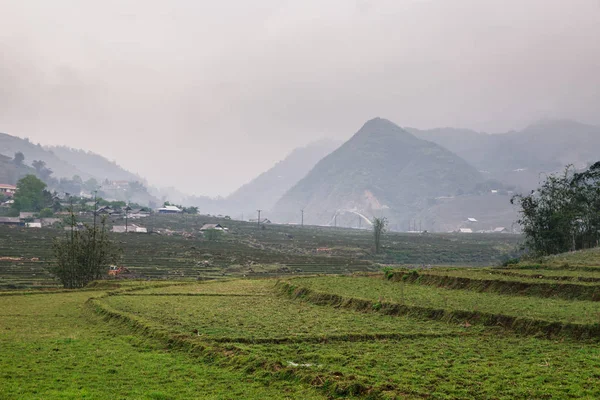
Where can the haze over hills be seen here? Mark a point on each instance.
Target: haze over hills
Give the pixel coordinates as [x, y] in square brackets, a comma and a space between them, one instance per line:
[94, 164]
[382, 170]
[9, 145]
[66, 162]
[437, 177]
[267, 188]
[518, 157]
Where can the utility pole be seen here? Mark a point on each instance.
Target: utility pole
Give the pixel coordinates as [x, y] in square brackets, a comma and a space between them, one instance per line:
[302, 211]
[359, 221]
[335, 221]
[258, 220]
[95, 211]
[126, 216]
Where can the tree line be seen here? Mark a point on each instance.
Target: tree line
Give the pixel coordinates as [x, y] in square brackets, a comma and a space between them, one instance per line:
[563, 214]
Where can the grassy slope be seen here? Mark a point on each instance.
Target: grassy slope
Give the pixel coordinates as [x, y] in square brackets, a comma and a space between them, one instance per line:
[583, 312]
[52, 348]
[589, 259]
[55, 347]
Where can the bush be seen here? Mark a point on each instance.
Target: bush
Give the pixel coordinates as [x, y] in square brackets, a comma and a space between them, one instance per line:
[84, 256]
[212, 234]
[46, 213]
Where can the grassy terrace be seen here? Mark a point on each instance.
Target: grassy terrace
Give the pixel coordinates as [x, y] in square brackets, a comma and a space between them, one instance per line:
[254, 318]
[250, 339]
[539, 276]
[482, 366]
[380, 290]
[549, 274]
[54, 348]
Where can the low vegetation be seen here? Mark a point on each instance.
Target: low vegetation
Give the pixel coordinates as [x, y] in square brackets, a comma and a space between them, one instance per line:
[377, 336]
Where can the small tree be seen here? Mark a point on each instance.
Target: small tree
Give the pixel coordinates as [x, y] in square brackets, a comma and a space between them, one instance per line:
[19, 158]
[31, 195]
[46, 213]
[84, 255]
[379, 228]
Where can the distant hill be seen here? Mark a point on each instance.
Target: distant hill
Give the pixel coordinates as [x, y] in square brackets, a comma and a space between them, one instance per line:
[9, 145]
[66, 162]
[519, 157]
[93, 164]
[267, 188]
[383, 170]
[10, 172]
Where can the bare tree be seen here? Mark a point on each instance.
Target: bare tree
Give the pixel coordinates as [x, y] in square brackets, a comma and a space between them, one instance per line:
[379, 228]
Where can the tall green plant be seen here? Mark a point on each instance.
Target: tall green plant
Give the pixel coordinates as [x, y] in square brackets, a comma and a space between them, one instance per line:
[84, 255]
[379, 228]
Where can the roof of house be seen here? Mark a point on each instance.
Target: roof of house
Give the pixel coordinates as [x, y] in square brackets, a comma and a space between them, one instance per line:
[170, 208]
[206, 227]
[50, 221]
[33, 224]
[7, 186]
[10, 220]
[129, 228]
[500, 229]
[262, 220]
[471, 219]
[24, 215]
[466, 230]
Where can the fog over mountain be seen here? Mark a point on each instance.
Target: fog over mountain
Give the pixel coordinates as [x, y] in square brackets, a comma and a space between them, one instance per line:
[519, 157]
[382, 170]
[204, 96]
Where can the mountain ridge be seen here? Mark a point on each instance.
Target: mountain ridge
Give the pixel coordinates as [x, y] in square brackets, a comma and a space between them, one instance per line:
[382, 169]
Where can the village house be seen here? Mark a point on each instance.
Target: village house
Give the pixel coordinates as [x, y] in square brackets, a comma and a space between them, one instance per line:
[207, 227]
[138, 213]
[7, 190]
[262, 220]
[14, 221]
[169, 210]
[129, 228]
[26, 215]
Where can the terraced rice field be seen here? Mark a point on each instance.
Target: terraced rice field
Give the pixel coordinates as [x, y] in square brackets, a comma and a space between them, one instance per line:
[181, 252]
[392, 335]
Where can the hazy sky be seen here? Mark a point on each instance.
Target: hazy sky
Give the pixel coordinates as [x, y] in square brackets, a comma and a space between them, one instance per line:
[204, 95]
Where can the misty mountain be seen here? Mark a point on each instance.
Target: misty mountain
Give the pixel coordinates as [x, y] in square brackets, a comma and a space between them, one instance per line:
[9, 145]
[383, 170]
[66, 162]
[267, 188]
[10, 172]
[93, 164]
[518, 157]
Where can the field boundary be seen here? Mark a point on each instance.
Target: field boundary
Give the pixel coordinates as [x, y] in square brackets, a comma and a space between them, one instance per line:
[193, 294]
[566, 291]
[520, 325]
[541, 275]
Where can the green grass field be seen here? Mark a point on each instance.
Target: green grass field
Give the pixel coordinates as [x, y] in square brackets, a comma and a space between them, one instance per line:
[270, 338]
[519, 332]
[53, 347]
